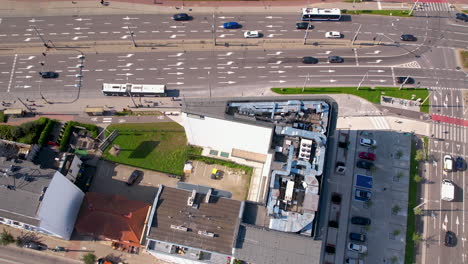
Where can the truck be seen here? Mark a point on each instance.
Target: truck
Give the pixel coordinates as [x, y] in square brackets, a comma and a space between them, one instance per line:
[448, 190]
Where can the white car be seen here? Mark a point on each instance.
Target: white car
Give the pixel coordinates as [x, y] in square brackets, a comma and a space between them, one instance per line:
[448, 163]
[251, 34]
[367, 142]
[333, 34]
[357, 248]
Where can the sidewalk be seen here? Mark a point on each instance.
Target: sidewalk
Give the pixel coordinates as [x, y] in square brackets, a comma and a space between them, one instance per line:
[78, 248]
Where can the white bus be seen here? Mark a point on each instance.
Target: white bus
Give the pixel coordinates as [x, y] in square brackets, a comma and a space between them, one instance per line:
[129, 89]
[309, 14]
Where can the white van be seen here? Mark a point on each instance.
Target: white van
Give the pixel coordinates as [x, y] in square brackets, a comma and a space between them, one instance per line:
[447, 191]
[448, 163]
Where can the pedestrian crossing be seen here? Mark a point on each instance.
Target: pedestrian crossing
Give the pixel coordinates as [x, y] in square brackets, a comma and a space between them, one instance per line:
[448, 131]
[379, 122]
[433, 7]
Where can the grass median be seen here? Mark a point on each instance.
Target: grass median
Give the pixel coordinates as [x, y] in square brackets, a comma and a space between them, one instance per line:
[370, 94]
[155, 146]
[412, 203]
[464, 58]
[400, 13]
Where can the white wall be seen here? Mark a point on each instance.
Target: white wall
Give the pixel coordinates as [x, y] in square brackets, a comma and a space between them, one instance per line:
[60, 207]
[224, 135]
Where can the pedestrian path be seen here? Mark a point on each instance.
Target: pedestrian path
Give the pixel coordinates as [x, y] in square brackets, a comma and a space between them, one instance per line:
[437, 6]
[447, 131]
[379, 122]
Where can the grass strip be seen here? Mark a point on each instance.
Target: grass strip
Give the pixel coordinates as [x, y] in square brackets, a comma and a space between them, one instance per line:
[464, 58]
[412, 202]
[370, 94]
[400, 13]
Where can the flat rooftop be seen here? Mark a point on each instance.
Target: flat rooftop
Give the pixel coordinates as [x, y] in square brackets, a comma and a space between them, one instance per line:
[219, 217]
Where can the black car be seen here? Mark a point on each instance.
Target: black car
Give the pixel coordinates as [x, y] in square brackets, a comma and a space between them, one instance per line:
[35, 245]
[358, 220]
[408, 37]
[335, 59]
[462, 16]
[357, 237]
[303, 25]
[405, 80]
[364, 164]
[450, 239]
[136, 174]
[181, 17]
[48, 75]
[309, 60]
[459, 164]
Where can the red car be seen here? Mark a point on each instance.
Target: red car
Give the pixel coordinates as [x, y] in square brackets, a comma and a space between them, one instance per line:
[367, 155]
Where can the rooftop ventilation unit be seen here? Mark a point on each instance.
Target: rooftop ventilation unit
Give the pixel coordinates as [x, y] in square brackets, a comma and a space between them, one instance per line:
[208, 196]
[205, 233]
[191, 199]
[180, 228]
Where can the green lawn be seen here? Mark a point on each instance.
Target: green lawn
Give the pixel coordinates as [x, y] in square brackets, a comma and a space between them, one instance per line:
[464, 57]
[400, 13]
[412, 202]
[371, 95]
[155, 146]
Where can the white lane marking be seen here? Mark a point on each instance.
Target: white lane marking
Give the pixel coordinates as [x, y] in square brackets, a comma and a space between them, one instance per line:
[12, 73]
[393, 76]
[356, 56]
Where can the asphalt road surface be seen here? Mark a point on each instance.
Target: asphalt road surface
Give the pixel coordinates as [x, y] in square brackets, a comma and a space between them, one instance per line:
[11, 255]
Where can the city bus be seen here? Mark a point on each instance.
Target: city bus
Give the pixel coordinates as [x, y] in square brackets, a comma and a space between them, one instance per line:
[310, 14]
[129, 89]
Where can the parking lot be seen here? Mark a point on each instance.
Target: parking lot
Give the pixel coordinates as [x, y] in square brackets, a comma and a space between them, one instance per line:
[111, 178]
[231, 180]
[377, 191]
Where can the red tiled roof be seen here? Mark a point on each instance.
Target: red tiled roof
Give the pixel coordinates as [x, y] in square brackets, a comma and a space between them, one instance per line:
[112, 217]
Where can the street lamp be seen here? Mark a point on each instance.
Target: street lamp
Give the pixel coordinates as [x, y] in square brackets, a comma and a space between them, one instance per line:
[365, 75]
[131, 35]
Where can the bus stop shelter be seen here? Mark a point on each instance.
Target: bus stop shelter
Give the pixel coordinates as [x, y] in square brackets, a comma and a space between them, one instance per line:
[16, 112]
[94, 111]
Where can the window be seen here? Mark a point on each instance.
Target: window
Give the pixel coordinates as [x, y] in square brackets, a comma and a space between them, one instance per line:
[214, 152]
[3, 220]
[15, 223]
[224, 154]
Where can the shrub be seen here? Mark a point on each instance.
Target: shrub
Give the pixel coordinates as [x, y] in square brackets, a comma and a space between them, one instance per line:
[6, 238]
[68, 129]
[89, 258]
[45, 133]
[3, 117]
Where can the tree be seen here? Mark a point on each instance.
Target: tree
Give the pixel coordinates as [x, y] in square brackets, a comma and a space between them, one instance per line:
[396, 232]
[394, 260]
[417, 178]
[416, 237]
[396, 209]
[399, 154]
[418, 211]
[419, 155]
[89, 258]
[400, 175]
[6, 238]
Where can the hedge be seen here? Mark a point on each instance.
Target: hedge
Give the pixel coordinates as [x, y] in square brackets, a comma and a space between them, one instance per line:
[3, 117]
[45, 133]
[27, 133]
[68, 129]
[226, 163]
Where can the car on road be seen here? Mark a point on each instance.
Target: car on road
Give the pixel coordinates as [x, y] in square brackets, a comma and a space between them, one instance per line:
[49, 75]
[367, 142]
[408, 37]
[359, 220]
[459, 164]
[332, 34]
[252, 34]
[461, 16]
[448, 163]
[309, 60]
[362, 195]
[357, 237]
[450, 239]
[357, 248]
[181, 17]
[35, 245]
[405, 80]
[231, 25]
[136, 174]
[362, 164]
[304, 25]
[367, 155]
[104, 261]
[354, 261]
[335, 59]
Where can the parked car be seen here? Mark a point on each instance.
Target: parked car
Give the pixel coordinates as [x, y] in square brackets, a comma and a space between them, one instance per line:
[405, 80]
[309, 60]
[367, 155]
[215, 174]
[367, 142]
[49, 75]
[459, 164]
[364, 164]
[357, 237]
[408, 37]
[448, 163]
[335, 59]
[330, 249]
[357, 248]
[231, 25]
[136, 174]
[461, 16]
[359, 220]
[181, 17]
[332, 34]
[354, 261]
[35, 245]
[303, 25]
[450, 239]
[104, 261]
[362, 195]
[252, 34]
